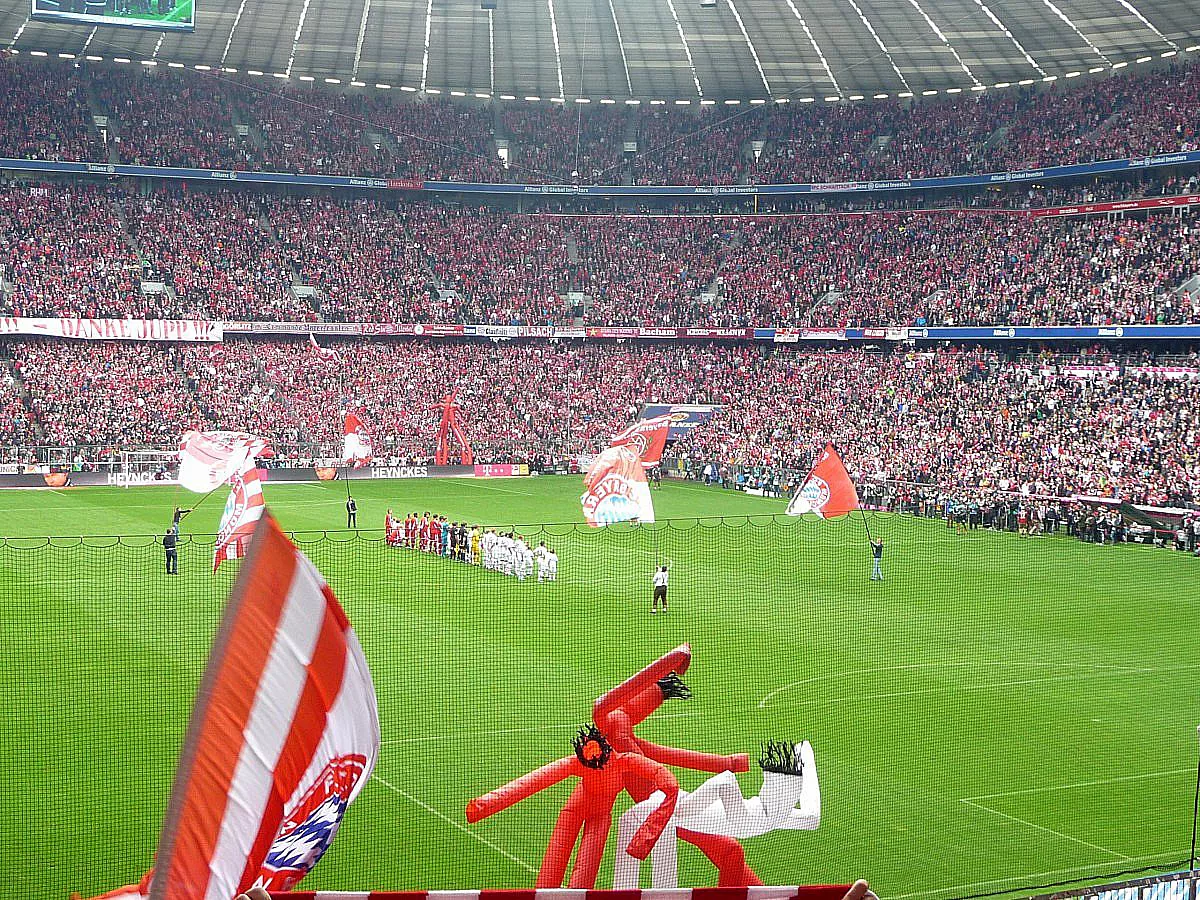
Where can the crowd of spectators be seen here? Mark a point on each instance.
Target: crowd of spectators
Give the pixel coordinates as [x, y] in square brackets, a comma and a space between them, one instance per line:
[105, 395]
[215, 254]
[62, 251]
[167, 117]
[237, 255]
[963, 421]
[44, 114]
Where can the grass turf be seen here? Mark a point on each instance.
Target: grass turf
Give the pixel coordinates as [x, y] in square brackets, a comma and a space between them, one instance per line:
[1001, 712]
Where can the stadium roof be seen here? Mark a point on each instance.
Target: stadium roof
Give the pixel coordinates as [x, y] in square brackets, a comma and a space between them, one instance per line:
[647, 49]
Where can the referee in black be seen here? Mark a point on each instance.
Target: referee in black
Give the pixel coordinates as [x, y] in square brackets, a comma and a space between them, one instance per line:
[351, 512]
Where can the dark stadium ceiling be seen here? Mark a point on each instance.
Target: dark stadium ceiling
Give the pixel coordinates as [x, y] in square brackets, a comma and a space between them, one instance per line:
[647, 49]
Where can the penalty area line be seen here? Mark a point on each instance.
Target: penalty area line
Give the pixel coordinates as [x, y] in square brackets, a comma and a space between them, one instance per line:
[433, 812]
[1044, 829]
[1077, 784]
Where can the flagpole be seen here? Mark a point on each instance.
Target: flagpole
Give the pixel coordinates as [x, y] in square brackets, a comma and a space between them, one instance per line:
[202, 499]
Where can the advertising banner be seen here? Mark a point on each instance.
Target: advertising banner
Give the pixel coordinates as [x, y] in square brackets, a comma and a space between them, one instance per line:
[684, 417]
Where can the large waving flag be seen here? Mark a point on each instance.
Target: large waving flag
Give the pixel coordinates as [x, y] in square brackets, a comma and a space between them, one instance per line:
[208, 459]
[616, 489]
[646, 437]
[827, 491]
[356, 443]
[243, 509]
[283, 737]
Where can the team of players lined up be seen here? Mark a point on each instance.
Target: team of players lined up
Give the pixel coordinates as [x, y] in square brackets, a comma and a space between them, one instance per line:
[495, 550]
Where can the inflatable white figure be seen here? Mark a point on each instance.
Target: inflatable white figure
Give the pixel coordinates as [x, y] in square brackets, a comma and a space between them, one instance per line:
[790, 799]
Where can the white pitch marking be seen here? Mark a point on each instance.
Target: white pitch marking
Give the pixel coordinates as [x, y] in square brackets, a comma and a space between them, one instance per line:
[1027, 876]
[1076, 784]
[433, 812]
[1043, 828]
[762, 704]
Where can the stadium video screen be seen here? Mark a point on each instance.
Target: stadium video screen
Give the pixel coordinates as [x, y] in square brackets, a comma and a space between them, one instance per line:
[177, 15]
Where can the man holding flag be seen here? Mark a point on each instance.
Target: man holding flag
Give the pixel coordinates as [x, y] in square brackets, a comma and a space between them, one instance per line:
[827, 492]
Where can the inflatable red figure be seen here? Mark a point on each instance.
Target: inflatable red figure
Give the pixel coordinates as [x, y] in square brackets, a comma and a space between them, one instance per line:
[610, 758]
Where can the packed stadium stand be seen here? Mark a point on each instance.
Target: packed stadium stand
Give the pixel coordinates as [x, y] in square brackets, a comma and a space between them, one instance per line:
[232, 255]
[960, 419]
[1002, 418]
[172, 118]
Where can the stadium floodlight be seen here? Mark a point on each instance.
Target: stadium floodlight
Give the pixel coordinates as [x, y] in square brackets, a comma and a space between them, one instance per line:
[383, 87]
[333, 81]
[1144, 59]
[607, 100]
[1168, 54]
[230, 69]
[533, 98]
[431, 90]
[482, 96]
[357, 83]
[632, 102]
[683, 102]
[174, 65]
[857, 97]
[91, 58]
[1050, 78]
[732, 102]
[583, 99]
[150, 62]
[558, 99]
[757, 101]
[307, 78]
[66, 56]
[282, 76]
[409, 88]
[253, 72]
[783, 100]
[458, 94]
[928, 93]
[881, 96]
[1191, 49]
[1071, 75]
[1003, 84]
[662, 102]
[948, 91]
[979, 87]
[808, 99]
[507, 97]
[203, 68]
[43, 53]
[118, 59]
[1025, 82]
[707, 102]
[1094, 69]
[1120, 65]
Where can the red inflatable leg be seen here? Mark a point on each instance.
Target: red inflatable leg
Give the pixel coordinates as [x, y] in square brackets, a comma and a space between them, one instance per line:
[591, 848]
[558, 851]
[726, 854]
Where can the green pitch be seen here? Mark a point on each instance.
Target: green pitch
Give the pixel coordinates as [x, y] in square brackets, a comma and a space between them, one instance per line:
[999, 713]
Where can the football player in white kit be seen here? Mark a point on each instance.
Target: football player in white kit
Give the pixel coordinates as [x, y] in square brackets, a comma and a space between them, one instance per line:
[551, 565]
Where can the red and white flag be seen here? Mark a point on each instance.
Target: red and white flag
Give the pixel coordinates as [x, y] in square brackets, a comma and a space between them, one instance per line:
[647, 438]
[208, 459]
[356, 443]
[243, 509]
[323, 352]
[283, 737]
[616, 489]
[827, 491]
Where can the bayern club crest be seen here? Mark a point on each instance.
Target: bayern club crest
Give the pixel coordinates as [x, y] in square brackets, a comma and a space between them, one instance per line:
[310, 827]
[815, 493]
